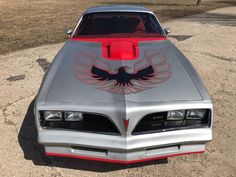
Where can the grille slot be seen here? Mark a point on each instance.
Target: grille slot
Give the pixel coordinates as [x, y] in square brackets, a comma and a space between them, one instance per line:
[162, 150]
[89, 151]
[157, 122]
[92, 123]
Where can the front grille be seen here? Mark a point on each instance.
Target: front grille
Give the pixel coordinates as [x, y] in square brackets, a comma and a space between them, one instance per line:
[93, 123]
[157, 122]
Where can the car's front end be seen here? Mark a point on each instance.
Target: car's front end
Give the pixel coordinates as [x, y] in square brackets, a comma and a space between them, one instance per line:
[122, 100]
[137, 136]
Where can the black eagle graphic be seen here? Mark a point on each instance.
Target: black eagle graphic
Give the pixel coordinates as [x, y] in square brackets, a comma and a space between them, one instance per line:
[122, 77]
[149, 71]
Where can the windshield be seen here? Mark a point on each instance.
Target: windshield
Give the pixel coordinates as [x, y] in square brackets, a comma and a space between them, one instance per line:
[118, 24]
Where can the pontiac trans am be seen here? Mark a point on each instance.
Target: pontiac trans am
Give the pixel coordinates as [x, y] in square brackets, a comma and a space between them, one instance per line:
[120, 91]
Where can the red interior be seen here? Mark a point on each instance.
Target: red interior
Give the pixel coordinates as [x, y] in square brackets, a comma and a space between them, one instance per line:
[118, 24]
[104, 26]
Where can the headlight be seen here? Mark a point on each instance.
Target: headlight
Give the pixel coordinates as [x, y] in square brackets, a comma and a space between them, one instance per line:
[176, 115]
[73, 116]
[196, 114]
[52, 115]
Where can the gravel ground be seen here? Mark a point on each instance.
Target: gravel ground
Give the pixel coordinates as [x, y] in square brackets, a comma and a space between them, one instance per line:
[208, 40]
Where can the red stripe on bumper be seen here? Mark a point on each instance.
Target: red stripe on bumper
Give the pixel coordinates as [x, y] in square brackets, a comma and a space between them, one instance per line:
[118, 161]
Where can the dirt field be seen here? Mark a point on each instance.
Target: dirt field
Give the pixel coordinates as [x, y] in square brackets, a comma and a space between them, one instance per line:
[27, 23]
[208, 40]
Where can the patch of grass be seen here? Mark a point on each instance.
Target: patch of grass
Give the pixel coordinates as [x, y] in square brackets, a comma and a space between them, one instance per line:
[27, 23]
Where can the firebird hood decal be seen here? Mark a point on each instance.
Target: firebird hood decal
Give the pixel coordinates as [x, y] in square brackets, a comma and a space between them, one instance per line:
[148, 71]
[82, 74]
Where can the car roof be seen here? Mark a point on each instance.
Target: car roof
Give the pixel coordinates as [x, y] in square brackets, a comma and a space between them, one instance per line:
[118, 8]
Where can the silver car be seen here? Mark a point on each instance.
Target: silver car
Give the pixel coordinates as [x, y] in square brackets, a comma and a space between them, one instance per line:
[119, 91]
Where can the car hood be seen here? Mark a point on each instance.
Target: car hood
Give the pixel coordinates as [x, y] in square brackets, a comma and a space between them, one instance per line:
[85, 75]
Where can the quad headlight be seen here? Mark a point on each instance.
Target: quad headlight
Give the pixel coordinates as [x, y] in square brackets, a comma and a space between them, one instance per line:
[196, 114]
[73, 116]
[62, 116]
[176, 115]
[53, 115]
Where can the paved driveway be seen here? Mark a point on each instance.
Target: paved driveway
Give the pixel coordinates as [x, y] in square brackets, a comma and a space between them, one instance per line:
[209, 40]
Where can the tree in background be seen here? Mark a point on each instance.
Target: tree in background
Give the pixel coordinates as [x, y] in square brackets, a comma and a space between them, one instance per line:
[199, 2]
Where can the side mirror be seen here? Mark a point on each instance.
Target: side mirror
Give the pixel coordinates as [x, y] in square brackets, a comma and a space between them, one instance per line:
[69, 32]
[167, 31]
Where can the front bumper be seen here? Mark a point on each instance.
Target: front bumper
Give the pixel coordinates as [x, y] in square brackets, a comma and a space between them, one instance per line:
[186, 149]
[121, 149]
